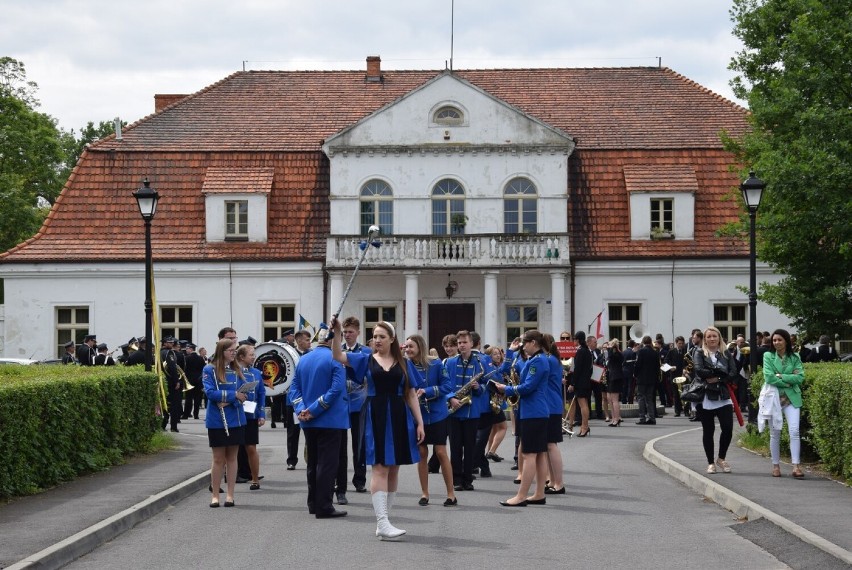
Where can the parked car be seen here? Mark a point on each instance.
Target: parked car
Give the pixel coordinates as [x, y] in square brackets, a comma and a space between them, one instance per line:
[18, 361]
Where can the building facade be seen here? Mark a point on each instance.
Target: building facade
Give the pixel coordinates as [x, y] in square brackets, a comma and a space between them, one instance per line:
[507, 200]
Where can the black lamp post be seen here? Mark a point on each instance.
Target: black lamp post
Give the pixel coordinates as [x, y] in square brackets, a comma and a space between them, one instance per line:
[752, 190]
[147, 198]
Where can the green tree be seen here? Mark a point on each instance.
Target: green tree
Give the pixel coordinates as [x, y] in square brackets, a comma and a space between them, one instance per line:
[795, 71]
[36, 157]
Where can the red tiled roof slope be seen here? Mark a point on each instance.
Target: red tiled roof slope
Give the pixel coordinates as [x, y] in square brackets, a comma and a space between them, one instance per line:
[660, 178]
[228, 180]
[97, 219]
[599, 213]
[640, 107]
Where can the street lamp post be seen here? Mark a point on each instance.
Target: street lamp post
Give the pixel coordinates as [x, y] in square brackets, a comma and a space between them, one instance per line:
[147, 198]
[752, 189]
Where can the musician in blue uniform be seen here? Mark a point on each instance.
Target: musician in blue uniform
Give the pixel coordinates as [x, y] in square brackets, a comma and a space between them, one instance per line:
[225, 418]
[248, 459]
[432, 394]
[394, 426]
[533, 412]
[357, 389]
[464, 420]
[555, 406]
[318, 396]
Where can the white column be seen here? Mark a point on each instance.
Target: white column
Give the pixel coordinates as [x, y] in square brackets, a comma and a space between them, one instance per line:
[490, 322]
[557, 302]
[412, 296]
[335, 291]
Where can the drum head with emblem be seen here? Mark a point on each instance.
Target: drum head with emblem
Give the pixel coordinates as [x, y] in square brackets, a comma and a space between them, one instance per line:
[277, 363]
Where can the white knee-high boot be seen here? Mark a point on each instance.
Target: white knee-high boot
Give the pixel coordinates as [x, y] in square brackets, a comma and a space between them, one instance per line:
[384, 529]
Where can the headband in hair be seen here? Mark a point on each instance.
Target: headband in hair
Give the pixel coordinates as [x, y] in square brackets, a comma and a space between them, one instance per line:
[390, 326]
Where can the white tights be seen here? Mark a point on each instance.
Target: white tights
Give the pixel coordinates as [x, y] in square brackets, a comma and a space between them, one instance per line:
[792, 415]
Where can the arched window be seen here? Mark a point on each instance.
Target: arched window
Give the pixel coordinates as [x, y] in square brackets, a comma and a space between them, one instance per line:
[376, 207]
[448, 115]
[520, 211]
[448, 208]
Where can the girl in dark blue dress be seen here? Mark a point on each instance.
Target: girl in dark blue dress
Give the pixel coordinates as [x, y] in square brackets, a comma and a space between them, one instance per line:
[394, 425]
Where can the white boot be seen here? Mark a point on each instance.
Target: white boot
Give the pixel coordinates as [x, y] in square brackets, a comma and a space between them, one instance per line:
[384, 529]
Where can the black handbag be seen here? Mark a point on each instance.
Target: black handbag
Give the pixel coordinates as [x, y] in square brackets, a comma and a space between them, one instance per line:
[694, 392]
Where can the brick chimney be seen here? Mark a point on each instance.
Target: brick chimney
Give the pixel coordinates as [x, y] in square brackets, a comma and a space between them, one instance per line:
[163, 101]
[374, 69]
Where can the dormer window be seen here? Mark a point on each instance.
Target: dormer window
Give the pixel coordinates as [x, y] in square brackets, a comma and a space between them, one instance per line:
[236, 201]
[448, 116]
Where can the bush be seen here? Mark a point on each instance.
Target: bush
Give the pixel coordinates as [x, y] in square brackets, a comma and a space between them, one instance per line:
[826, 417]
[57, 422]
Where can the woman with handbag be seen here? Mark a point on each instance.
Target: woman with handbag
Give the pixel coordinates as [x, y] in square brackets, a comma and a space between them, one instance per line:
[783, 369]
[715, 366]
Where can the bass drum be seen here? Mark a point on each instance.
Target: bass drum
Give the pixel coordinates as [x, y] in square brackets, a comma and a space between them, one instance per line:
[277, 363]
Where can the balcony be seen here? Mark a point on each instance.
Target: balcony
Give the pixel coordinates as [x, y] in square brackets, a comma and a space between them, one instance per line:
[452, 251]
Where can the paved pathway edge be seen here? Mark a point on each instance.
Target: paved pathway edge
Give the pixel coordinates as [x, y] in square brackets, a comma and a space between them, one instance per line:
[80, 544]
[734, 502]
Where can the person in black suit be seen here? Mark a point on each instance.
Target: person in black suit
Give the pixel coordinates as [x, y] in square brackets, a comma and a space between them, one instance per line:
[103, 358]
[824, 352]
[597, 358]
[70, 356]
[647, 373]
[86, 351]
[194, 368]
[582, 381]
[168, 356]
[138, 356]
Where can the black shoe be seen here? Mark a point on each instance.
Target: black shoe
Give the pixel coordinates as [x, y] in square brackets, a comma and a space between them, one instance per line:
[493, 457]
[184, 417]
[254, 486]
[341, 499]
[360, 489]
[475, 471]
[486, 475]
[468, 487]
[514, 467]
[694, 419]
[423, 501]
[677, 415]
[331, 515]
[553, 491]
[291, 467]
[195, 417]
[175, 430]
[242, 480]
[273, 426]
[542, 501]
[451, 502]
[642, 422]
[229, 503]
[508, 504]
[458, 488]
[651, 422]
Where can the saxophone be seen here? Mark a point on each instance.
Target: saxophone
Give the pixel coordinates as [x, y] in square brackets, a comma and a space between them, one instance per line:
[513, 381]
[463, 394]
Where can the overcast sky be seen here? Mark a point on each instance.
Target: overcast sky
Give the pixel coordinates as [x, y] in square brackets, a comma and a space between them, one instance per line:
[94, 60]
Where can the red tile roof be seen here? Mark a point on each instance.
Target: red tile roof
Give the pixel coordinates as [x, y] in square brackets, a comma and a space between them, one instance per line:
[243, 180]
[277, 121]
[660, 178]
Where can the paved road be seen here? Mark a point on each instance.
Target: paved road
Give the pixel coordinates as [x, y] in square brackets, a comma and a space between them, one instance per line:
[620, 512]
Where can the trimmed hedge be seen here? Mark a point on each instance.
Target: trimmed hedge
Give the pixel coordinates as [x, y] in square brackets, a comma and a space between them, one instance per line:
[826, 420]
[57, 422]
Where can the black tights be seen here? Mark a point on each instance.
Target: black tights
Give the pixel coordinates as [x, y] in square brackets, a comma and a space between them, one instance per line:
[726, 425]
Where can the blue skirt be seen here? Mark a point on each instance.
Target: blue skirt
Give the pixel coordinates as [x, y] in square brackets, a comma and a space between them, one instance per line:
[390, 437]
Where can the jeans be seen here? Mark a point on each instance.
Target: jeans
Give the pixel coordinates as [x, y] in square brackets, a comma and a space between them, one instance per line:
[726, 426]
[792, 414]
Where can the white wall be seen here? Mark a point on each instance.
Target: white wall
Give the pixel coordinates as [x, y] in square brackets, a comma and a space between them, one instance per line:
[115, 294]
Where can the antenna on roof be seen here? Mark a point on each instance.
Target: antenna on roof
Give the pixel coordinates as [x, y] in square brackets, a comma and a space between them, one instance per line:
[117, 122]
[452, 13]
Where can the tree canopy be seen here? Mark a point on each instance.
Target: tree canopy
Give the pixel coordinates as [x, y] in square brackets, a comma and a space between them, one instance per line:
[36, 156]
[795, 71]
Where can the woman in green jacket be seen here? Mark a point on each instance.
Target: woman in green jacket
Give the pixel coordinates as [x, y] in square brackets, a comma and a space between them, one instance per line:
[783, 369]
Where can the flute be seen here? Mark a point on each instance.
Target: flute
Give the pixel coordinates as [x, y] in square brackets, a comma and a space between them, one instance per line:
[224, 420]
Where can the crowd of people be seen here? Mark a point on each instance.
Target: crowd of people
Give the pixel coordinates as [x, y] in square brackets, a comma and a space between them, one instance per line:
[397, 398]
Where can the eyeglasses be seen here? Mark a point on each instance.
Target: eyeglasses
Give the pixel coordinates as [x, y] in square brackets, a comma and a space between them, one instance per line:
[564, 338]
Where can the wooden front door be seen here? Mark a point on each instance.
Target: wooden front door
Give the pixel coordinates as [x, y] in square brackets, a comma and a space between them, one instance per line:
[448, 318]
